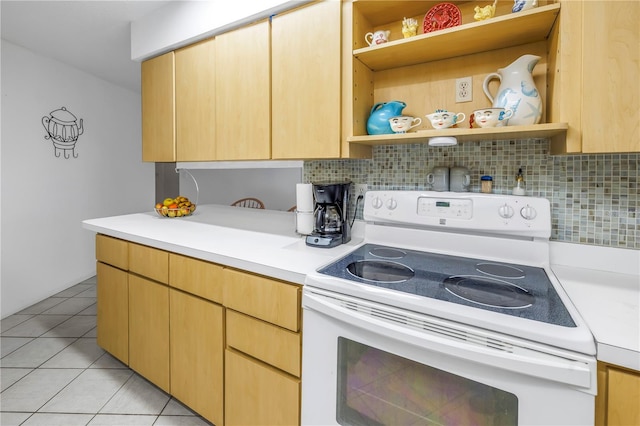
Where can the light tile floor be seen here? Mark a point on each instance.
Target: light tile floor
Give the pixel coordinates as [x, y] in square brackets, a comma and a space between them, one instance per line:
[52, 372]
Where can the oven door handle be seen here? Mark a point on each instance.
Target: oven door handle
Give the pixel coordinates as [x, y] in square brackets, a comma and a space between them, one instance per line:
[579, 371]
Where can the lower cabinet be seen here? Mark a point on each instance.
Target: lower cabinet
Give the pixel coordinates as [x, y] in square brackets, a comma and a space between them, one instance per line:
[196, 354]
[170, 318]
[618, 396]
[113, 311]
[257, 394]
[149, 330]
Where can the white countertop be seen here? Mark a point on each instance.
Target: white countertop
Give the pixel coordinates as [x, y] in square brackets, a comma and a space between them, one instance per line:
[255, 240]
[603, 283]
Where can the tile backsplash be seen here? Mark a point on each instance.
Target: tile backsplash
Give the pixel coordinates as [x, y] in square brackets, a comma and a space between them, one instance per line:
[594, 198]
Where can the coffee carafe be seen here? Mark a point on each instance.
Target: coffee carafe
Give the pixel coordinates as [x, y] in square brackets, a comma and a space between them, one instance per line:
[330, 215]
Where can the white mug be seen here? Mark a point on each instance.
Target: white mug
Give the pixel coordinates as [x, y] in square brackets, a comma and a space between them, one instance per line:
[459, 179]
[443, 119]
[378, 37]
[402, 124]
[439, 179]
[492, 117]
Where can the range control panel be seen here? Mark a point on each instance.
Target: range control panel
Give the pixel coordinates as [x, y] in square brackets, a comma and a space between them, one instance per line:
[493, 213]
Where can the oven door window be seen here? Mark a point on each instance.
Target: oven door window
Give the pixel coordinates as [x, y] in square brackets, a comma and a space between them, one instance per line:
[379, 388]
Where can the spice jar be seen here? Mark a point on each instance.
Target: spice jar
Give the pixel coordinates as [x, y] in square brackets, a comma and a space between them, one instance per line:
[486, 184]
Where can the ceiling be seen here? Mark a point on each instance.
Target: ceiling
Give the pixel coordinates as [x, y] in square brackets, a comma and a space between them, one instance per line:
[91, 35]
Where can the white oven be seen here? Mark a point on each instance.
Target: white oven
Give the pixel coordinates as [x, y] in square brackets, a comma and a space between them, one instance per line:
[446, 316]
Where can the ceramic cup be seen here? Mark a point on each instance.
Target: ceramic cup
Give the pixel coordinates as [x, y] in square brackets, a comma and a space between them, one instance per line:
[443, 119]
[492, 117]
[378, 37]
[439, 179]
[403, 123]
[459, 179]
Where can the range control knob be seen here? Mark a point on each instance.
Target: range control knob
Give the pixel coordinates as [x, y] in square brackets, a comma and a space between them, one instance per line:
[506, 211]
[528, 212]
[376, 202]
[392, 203]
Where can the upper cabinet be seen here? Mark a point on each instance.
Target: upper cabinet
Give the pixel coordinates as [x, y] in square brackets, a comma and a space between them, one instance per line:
[158, 109]
[305, 82]
[195, 96]
[597, 73]
[243, 94]
[579, 71]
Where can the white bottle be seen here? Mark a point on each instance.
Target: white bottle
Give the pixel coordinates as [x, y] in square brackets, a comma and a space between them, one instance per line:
[519, 188]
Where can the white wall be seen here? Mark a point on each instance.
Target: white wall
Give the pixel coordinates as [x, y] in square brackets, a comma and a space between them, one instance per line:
[44, 248]
[183, 22]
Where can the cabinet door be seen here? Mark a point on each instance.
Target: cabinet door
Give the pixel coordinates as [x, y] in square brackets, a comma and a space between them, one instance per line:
[611, 72]
[196, 102]
[149, 330]
[196, 354]
[306, 82]
[256, 394]
[113, 311]
[243, 95]
[624, 395]
[158, 109]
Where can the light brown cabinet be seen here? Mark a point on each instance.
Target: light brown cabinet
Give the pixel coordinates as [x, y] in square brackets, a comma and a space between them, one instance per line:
[196, 337]
[618, 396]
[195, 86]
[243, 93]
[597, 75]
[158, 109]
[263, 358]
[305, 80]
[256, 394]
[169, 316]
[583, 74]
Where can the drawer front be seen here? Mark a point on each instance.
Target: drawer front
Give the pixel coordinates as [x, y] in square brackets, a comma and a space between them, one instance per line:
[149, 262]
[112, 251]
[274, 345]
[256, 394]
[273, 301]
[204, 279]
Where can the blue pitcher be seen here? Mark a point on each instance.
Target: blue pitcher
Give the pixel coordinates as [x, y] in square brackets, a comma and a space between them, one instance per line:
[378, 122]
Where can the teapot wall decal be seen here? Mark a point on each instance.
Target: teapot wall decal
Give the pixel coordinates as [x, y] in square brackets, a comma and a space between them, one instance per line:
[378, 122]
[517, 91]
[63, 130]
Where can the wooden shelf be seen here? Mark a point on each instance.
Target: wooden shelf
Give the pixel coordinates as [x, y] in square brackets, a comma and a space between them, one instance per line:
[555, 131]
[495, 33]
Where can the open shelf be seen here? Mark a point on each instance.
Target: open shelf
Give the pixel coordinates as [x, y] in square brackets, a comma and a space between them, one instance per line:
[496, 33]
[555, 131]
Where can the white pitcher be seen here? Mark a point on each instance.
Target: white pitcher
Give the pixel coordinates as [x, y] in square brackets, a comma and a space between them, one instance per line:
[517, 91]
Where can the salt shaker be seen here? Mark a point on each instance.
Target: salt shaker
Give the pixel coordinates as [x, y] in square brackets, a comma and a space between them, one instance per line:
[519, 188]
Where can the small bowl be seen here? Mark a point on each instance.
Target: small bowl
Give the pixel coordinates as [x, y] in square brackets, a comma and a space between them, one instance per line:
[179, 212]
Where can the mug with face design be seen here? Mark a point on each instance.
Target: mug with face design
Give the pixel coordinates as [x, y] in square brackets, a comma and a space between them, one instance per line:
[402, 124]
[492, 117]
[378, 37]
[443, 119]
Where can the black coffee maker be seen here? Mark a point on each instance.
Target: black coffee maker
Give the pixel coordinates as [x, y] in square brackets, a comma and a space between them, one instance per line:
[330, 214]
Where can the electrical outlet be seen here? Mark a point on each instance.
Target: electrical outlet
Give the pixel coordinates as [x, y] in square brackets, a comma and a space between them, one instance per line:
[360, 189]
[464, 89]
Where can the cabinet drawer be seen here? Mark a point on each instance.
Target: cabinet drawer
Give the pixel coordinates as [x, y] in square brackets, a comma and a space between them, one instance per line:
[197, 277]
[274, 345]
[256, 394]
[112, 251]
[273, 301]
[149, 262]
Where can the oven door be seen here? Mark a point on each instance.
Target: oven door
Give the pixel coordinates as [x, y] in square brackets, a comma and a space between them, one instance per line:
[371, 364]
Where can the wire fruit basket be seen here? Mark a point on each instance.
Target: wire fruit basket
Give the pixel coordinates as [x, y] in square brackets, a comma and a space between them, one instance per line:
[180, 206]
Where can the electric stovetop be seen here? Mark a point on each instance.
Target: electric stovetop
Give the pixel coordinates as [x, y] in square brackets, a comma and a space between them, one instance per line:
[511, 289]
